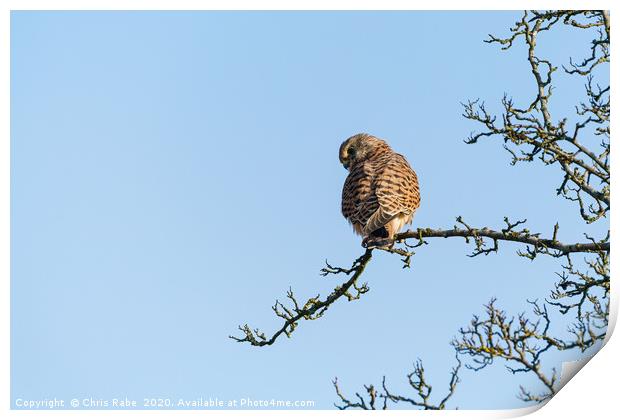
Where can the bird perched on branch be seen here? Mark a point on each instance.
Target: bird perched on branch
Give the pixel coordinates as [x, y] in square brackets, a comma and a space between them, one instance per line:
[381, 192]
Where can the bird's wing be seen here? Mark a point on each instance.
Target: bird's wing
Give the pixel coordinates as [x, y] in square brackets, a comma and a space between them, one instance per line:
[358, 199]
[397, 191]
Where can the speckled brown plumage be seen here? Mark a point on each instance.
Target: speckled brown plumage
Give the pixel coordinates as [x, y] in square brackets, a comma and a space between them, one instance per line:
[381, 193]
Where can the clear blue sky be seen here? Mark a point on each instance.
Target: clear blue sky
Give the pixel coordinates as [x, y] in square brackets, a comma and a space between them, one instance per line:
[173, 173]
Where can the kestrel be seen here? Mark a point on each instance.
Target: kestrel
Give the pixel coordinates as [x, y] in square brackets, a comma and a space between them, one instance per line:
[381, 193]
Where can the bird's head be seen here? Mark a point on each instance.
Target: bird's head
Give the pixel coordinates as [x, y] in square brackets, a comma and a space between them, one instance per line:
[360, 147]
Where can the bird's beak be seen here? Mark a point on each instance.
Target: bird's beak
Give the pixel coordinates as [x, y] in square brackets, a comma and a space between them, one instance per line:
[346, 165]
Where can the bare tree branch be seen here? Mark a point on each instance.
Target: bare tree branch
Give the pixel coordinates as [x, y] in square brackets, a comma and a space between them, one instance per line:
[520, 341]
[416, 380]
[314, 308]
[530, 132]
[509, 234]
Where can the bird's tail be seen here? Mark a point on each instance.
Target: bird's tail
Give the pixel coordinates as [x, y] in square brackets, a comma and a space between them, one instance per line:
[378, 220]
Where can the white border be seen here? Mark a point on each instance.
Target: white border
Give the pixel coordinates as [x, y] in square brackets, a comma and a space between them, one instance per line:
[592, 394]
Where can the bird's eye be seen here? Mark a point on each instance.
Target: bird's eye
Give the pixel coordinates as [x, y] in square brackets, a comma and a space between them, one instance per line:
[351, 151]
